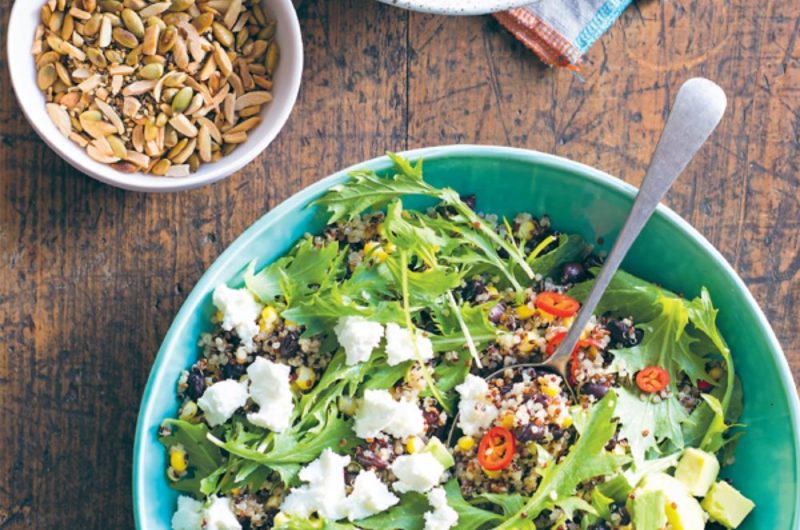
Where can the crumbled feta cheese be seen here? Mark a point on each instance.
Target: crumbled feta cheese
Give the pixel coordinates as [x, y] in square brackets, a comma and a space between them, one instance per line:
[239, 312]
[271, 390]
[378, 412]
[443, 517]
[221, 400]
[400, 345]
[476, 412]
[189, 515]
[359, 337]
[325, 492]
[219, 515]
[416, 472]
[369, 496]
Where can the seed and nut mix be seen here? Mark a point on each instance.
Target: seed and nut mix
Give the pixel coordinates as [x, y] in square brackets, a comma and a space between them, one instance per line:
[155, 86]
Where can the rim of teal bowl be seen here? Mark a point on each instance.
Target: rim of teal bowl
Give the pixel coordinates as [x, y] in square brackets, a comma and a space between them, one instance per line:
[306, 195]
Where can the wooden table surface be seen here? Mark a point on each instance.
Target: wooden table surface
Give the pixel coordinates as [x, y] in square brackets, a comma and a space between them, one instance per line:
[91, 276]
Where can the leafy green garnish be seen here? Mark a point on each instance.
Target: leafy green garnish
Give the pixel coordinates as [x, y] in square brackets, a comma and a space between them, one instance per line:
[586, 459]
[570, 248]
[408, 514]
[202, 456]
[288, 450]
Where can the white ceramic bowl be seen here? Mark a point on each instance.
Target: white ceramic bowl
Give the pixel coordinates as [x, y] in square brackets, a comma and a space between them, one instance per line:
[458, 7]
[21, 29]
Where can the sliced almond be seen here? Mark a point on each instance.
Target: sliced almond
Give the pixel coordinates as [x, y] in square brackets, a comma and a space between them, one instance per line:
[139, 159]
[101, 151]
[204, 144]
[232, 14]
[252, 99]
[60, 118]
[138, 88]
[235, 138]
[111, 115]
[178, 171]
[212, 128]
[182, 124]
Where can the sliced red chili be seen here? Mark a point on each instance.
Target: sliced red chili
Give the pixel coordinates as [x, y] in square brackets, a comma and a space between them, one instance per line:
[652, 379]
[552, 344]
[496, 449]
[557, 304]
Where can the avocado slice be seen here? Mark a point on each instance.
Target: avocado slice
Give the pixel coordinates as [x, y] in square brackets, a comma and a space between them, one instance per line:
[436, 448]
[697, 470]
[648, 510]
[682, 510]
[726, 505]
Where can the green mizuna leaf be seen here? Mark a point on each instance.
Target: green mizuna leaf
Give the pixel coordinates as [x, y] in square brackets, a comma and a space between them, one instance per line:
[586, 459]
[570, 248]
[367, 191]
[202, 456]
[470, 517]
[411, 234]
[408, 514]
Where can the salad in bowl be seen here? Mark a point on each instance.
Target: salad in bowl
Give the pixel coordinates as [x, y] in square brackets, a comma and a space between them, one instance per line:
[376, 377]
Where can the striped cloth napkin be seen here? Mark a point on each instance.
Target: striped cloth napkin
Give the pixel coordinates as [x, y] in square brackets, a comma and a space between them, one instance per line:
[561, 31]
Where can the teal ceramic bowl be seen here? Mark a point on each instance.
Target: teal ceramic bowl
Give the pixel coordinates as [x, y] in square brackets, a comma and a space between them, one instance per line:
[578, 199]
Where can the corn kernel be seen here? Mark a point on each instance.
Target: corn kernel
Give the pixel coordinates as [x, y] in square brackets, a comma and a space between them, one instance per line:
[715, 373]
[219, 316]
[465, 443]
[389, 247]
[492, 290]
[380, 255]
[545, 316]
[369, 247]
[550, 391]
[526, 347]
[188, 410]
[269, 317]
[566, 423]
[414, 445]
[306, 377]
[235, 491]
[567, 322]
[507, 420]
[492, 474]
[525, 311]
[177, 460]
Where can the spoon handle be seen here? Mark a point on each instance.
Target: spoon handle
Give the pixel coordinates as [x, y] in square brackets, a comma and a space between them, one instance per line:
[696, 112]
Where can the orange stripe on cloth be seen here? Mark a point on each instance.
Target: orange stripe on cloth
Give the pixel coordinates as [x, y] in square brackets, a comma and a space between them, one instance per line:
[540, 37]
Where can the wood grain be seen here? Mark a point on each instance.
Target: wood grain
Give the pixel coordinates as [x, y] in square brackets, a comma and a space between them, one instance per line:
[90, 276]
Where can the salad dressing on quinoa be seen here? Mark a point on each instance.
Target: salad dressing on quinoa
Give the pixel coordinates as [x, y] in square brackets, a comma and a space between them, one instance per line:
[324, 395]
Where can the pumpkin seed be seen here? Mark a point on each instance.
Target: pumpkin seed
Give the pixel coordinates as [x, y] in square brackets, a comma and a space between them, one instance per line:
[161, 168]
[133, 22]
[181, 5]
[47, 76]
[272, 57]
[151, 71]
[125, 38]
[203, 22]
[117, 146]
[182, 100]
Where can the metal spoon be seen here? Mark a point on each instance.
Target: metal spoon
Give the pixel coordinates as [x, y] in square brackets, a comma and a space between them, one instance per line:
[697, 110]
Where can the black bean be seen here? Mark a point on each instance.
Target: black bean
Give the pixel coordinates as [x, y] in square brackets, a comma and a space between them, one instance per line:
[557, 432]
[196, 385]
[431, 417]
[496, 312]
[473, 289]
[290, 344]
[594, 389]
[638, 334]
[573, 273]
[529, 433]
[470, 200]
[233, 370]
